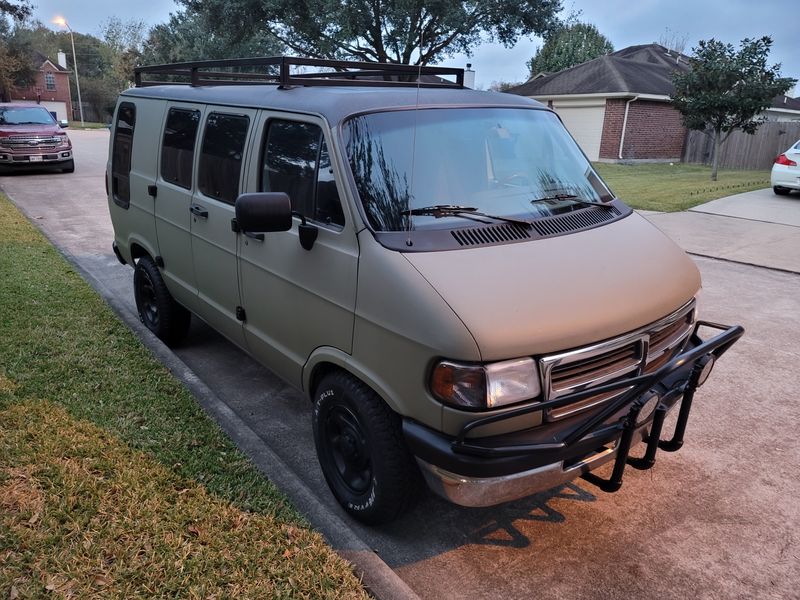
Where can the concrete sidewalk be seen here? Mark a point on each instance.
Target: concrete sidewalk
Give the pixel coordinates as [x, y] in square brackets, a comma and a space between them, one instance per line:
[754, 228]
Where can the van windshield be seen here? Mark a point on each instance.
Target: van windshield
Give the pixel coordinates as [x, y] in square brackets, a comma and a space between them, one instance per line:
[25, 116]
[512, 163]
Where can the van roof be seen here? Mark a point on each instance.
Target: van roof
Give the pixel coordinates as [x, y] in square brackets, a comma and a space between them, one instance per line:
[335, 103]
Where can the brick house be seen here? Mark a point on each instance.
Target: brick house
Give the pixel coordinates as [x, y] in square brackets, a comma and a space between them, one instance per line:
[50, 87]
[618, 106]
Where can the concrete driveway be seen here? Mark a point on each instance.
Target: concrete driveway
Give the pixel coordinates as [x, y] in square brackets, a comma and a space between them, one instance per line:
[757, 228]
[720, 519]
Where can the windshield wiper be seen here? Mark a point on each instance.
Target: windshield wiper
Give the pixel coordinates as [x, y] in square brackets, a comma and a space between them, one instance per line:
[466, 212]
[575, 199]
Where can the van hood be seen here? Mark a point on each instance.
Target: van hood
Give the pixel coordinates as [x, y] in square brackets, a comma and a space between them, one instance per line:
[553, 294]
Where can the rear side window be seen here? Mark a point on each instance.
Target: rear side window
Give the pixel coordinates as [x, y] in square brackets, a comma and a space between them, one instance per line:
[121, 154]
[296, 161]
[177, 151]
[221, 156]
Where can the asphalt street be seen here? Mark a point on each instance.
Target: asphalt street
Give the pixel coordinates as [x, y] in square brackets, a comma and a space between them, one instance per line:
[720, 519]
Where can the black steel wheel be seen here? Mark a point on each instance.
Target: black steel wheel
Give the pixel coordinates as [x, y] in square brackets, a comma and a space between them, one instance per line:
[361, 450]
[159, 312]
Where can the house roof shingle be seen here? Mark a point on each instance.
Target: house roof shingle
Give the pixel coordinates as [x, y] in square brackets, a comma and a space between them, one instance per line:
[644, 69]
[39, 59]
[786, 102]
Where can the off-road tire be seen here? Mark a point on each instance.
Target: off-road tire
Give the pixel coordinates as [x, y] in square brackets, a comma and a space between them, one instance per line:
[159, 312]
[354, 426]
[780, 191]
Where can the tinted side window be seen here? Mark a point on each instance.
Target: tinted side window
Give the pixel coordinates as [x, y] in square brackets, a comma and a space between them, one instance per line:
[296, 161]
[177, 152]
[221, 156]
[121, 154]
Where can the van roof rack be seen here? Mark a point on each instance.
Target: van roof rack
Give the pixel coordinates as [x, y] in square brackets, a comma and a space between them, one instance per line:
[279, 71]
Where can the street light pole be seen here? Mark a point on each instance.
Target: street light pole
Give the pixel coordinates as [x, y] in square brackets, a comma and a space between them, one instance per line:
[63, 21]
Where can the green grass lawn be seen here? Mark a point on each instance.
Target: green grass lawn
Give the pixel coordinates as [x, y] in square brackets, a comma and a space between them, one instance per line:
[668, 188]
[113, 481]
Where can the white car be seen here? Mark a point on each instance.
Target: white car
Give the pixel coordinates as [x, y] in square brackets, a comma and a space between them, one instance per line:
[786, 171]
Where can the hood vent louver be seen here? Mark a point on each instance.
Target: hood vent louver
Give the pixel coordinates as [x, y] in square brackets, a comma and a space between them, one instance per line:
[546, 227]
[582, 219]
[493, 234]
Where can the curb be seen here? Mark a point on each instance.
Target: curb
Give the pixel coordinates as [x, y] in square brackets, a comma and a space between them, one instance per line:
[380, 580]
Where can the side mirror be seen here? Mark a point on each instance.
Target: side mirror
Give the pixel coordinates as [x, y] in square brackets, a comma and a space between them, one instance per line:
[63, 123]
[263, 212]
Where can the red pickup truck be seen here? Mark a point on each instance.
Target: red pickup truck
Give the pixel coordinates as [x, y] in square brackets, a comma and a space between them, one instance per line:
[31, 138]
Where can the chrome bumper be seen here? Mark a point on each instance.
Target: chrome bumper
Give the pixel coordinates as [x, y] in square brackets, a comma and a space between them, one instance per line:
[488, 491]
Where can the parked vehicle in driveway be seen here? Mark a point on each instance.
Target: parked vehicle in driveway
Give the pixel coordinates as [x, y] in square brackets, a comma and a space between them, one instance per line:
[440, 270]
[785, 175]
[30, 137]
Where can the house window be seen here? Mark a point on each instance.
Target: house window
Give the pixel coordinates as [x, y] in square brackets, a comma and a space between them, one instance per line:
[50, 81]
[221, 156]
[296, 161]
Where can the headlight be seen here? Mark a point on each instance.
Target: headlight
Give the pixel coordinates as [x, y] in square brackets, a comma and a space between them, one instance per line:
[485, 386]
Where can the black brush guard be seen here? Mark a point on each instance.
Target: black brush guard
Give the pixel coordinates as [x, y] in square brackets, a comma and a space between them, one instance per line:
[641, 392]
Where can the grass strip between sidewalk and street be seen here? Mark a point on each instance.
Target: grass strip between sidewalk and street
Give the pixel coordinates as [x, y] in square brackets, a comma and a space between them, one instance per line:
[113, 481]
[668, 187]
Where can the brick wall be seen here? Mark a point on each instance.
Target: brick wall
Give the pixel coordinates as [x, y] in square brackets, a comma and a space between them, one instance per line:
[654, 131]
[612, 128]
[39, 92]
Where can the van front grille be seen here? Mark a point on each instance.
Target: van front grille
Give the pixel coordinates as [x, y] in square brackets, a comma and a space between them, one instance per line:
[642, 351]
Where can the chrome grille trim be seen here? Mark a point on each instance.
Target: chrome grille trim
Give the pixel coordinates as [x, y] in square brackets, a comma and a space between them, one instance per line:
[32, 142]
[669, 334]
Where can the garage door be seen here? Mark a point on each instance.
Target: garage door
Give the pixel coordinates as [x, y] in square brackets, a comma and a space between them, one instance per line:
[585, 123]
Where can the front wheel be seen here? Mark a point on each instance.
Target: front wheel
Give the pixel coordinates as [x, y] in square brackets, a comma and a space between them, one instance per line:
[780, 191]
[361, 450]
[69, 167]
[167, 319]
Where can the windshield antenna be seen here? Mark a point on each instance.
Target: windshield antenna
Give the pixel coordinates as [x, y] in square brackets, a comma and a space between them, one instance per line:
[414, 137]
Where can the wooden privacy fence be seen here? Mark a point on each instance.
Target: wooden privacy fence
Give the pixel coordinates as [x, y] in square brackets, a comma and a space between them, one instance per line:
[743, 151]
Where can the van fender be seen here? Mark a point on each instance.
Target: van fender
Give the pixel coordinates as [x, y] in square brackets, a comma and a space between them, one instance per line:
[327, 355]
[146, 248]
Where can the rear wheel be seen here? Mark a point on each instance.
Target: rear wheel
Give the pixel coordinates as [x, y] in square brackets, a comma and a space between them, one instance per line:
[167, 319]
[780, 191]
[69, 167]
[361, 450]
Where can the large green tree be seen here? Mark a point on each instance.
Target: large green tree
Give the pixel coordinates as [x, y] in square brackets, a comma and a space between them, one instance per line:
[16, 9]
[189, 35]
[398, 31]
[569, 46]
[15, 63]
[727, 89]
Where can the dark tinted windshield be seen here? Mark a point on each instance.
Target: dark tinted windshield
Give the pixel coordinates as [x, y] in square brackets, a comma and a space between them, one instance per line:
[495, 160]
[35, 115]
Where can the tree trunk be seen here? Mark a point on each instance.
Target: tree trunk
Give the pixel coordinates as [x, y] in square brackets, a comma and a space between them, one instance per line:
[715, 160]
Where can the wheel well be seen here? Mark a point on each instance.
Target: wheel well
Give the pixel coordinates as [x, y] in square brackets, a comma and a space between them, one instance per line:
[137, 252]
[318, 373]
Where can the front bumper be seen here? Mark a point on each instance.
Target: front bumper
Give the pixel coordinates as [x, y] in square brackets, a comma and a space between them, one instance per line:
[475, 471]
[49, 158]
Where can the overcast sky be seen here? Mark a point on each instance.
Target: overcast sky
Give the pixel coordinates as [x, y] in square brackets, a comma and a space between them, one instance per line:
[624, 22]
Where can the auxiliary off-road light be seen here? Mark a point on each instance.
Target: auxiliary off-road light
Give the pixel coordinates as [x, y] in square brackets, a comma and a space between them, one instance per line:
[485, 386]
[706, 370]
[648, 409]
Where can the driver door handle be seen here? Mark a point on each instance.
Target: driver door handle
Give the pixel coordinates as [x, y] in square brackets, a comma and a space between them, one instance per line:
[198, 211]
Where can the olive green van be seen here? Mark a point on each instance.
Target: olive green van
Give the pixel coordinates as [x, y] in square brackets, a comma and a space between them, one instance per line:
[440, 270]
